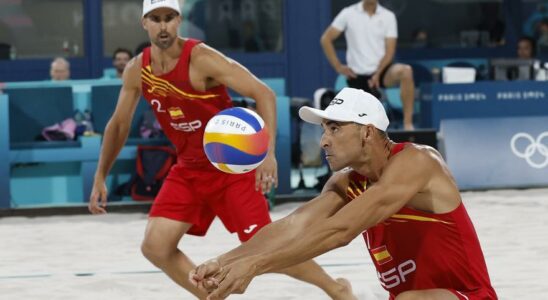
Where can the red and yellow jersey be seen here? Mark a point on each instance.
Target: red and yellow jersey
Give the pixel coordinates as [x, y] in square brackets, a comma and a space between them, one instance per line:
[182, 111]
[414, 250]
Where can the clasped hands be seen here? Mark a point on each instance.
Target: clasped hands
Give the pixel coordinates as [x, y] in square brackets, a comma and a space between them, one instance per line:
[221, 281]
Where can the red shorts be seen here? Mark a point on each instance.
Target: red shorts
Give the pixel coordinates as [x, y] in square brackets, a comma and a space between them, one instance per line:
[477, 294]
[197, 196]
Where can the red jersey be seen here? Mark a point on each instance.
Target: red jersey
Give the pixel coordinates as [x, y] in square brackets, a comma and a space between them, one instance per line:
[182, 111]
[414, 250]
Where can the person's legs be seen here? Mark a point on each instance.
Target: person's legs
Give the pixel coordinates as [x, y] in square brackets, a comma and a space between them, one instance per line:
[159, 246]
[311, 272]
[433, 294]
[362, 82]
[245, 211]
[403, 75]
[176, 211]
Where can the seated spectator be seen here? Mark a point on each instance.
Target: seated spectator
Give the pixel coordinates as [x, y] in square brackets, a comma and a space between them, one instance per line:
[526, 48]
[120, 58]
[60, 69]
[370, 53]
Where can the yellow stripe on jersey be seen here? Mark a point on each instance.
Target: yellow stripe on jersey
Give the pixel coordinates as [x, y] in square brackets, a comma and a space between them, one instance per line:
[356, 187]
[418, 218]
[350, 193]
[160, 83]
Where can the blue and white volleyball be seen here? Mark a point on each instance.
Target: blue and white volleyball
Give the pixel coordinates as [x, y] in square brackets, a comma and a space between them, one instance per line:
[236, 140]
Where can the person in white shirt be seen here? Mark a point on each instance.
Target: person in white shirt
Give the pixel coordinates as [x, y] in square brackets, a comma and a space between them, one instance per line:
[371, 32]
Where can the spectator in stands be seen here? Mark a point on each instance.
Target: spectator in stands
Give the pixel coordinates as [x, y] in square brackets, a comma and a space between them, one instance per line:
[120, 58]
[371, 32]
[59, 69]
[526, 48]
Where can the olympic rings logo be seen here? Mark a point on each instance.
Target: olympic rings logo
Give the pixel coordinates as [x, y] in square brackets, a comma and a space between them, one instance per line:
[531, 149]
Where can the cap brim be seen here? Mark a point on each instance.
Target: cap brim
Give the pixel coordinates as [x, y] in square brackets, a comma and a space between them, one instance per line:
[312, 115]
[316, 116]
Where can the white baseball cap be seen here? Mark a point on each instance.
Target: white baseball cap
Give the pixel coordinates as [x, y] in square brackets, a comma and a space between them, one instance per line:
[349, 105]
[150, 5]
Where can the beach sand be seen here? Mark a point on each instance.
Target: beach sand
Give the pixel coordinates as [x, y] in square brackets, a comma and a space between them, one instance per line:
[98, 257]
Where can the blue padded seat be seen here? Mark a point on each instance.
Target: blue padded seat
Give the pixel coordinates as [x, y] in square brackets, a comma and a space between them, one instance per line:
[103, 103]
[32, 109]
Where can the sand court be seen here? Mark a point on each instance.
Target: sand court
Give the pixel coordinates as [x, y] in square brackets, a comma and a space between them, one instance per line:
[98, 257]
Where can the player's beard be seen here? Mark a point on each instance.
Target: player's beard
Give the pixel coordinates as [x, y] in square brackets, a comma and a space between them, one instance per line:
[163, 43]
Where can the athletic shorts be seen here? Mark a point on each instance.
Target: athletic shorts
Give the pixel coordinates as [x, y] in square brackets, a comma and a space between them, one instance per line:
[196, 196]
[362, 82]
[478, 294]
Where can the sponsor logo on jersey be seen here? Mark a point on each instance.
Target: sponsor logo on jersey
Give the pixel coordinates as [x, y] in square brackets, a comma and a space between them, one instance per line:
[187, 126]
[176, 113]
[397, 275]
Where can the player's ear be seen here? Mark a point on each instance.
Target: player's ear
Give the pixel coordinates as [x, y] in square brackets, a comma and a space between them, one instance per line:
[144, 22]
[369, 131]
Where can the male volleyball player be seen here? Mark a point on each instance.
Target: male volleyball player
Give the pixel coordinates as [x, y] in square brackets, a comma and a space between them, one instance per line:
[400, 197]
[184, 82]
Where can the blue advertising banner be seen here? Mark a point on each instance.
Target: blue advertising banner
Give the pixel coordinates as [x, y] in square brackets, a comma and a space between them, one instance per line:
[497, 152]
[482, 99]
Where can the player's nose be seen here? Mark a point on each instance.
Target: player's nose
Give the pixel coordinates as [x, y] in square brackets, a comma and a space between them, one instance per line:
[324, 142]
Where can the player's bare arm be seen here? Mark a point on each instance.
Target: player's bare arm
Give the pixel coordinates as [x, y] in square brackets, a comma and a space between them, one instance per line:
[116, 133]
[327, 39]
[404, 176]
[389, 194]
[210, 68]
[283, 231]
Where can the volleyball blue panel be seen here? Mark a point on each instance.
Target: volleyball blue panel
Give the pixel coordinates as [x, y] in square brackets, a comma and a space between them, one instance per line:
[243, 115]
[221, 153]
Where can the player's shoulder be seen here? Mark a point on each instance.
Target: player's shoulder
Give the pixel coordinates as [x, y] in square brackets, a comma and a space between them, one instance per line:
[203, 51]
[132, 72]
[339, 180]
[134, 65]
[205, 57]
[419, 154]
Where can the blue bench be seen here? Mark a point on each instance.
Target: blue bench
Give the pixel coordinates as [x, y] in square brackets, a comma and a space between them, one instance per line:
[62, 172]
[28, 112]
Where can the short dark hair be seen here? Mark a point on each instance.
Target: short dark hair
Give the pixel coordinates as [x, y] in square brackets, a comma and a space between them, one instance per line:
[122, 50]
[382, 133]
